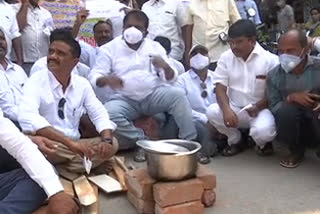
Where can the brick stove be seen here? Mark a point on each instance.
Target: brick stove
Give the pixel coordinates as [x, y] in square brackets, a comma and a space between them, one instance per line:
[189, 196]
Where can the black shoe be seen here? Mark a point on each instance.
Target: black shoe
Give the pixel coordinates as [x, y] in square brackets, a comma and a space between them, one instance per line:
[139, 156]
[203, 159]
[267, 150]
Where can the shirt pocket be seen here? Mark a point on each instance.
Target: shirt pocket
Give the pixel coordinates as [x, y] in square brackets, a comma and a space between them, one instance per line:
[168, 19]
[75, 115]
[260, 88]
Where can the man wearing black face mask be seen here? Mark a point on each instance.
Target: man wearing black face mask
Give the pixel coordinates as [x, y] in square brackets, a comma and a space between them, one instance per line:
[294, 96]
[240, 81]
[139, 72]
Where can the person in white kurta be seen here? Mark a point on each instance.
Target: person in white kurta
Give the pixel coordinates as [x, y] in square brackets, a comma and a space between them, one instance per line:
[240, 80]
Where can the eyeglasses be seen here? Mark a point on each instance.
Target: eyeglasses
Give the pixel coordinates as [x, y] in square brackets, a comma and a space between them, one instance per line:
[61, 104]
[204, 93]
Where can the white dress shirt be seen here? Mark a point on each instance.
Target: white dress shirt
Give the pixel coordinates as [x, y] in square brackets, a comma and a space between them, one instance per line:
[166, 19]
[246, 80]
[12, 80]
[35, 41]
[39, 105]
[27, 154]
[41, 64]
[8, 22]
[134, 67]
[190, 83]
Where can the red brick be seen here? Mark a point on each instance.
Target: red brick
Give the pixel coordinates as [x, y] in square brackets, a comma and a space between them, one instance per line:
[194, 207]
[142, 206]
[172, 193]
[139, 183]
[208, 177]
[208, 198]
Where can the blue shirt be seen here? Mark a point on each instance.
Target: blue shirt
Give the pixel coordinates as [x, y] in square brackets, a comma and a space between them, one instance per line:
[244, 6]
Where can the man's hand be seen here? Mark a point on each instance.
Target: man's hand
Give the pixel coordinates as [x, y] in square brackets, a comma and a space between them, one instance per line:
[82, 16]
[62, 203]
[158, 62]
[46, 146]
[253, 111]
[103, 149]
[305, 99]
[112, 81]
[230, 118]
[82, 148]
[125, 9]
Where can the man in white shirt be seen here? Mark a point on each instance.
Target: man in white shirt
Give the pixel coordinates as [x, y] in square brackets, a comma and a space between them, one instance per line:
[198, 85]
[12, 79]
[53, 103]
[240, 80]
[138, 70]
[80, 69]
[24, 190]
[167, 18]
[207, 24]
[8, 22]
[35, 24]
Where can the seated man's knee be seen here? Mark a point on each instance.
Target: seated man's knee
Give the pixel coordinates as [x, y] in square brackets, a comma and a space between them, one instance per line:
[174, 93]
[287, 111]
[263, 133]
[213, 113]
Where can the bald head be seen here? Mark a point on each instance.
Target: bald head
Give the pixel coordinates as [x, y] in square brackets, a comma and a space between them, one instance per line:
[293, 42]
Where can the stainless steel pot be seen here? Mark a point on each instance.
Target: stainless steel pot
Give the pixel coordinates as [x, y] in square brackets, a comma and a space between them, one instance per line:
[171, 165]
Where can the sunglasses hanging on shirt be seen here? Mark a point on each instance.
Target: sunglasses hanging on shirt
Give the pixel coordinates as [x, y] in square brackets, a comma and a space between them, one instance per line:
[204, 93]
[61, 104]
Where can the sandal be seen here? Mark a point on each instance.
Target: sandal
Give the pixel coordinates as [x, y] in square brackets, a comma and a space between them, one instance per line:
[265, 151]
[292, 160]
[231, 150]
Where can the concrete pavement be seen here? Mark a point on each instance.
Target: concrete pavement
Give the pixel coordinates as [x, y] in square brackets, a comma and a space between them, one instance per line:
[248, 184]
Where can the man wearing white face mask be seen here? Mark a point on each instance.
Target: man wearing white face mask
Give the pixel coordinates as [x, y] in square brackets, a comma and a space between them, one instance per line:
[138, 70]
[294, 96]
[198, 85]
[240, 80]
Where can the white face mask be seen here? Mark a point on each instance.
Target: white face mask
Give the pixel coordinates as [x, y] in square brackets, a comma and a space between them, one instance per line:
[199, 62]
[132, 35]
[289, 62]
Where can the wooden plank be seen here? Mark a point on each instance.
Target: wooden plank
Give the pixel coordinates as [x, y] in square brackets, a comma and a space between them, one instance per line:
[120, 176]
[106, 183]
[121, 164]
[84, 191]
[67, 186]
[93, 208]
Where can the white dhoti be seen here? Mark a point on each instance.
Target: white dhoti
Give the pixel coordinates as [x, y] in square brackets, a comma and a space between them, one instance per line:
[262, 128]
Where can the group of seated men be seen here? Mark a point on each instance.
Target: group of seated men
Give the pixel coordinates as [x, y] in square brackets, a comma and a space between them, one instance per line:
[252, 92]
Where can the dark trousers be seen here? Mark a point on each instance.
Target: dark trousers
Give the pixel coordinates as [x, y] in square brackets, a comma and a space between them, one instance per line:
[19, 194]
[297, 127]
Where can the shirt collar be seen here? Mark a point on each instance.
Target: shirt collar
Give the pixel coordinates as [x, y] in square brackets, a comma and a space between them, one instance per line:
[193, 75]
[55, 83]
[9, 66]
[257, 50]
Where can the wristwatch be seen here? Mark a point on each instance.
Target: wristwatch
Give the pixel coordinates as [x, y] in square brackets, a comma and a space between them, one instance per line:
[107, 140]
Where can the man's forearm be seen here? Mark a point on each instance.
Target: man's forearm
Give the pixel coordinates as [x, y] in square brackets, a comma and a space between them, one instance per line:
[262, 104]
[222, 98]
[187, 37]
[17, 46]
[168, 72]
[55, 135]
[22, 16]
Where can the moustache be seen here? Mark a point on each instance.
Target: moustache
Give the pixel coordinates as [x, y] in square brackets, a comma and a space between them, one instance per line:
[53, 61]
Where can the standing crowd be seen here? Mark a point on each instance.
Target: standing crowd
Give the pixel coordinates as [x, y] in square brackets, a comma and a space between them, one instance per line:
[193, 66]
